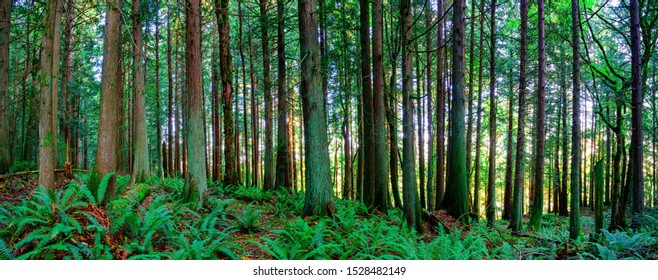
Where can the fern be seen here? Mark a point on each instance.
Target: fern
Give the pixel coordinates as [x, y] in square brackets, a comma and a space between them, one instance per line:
[5, 251]
[102, 187]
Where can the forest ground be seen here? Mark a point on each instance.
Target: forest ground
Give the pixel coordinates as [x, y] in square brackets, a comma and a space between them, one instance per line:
[149, 222]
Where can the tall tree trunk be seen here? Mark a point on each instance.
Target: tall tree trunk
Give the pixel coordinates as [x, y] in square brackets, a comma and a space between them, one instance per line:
[214, 89]
[564, 211]
[419, 120]
[195, 177]
[170, 97]
[456, 196]
[230, 153]
[319, 199]
[368, 143]
[410, 201]
[5, 20]
[470, 117]
[538, 203]
[158, 104]
[393, 134]
[108, 144]
[283, 172]
[48, 98]
[475, 208]
[491, 180]
[244, 98]
[440, 111]
[255, 161]
[428, 88]
[637, 152]
[141, 172]
[379, 109]
[517, 197]
[507, 196]
[66, 80]
[574, 216]
[269, 145]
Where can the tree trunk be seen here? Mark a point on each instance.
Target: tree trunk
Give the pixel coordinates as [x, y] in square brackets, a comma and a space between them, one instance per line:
[319, 199]
[195, 177]
[231, 170]
[410, 201]
[108, 145]
[491, 180]
[574, 217]
[269, 145]
[517, 197]
[507, 197]
[471, 75]
[538, 203]
[428, 88]
[475, 208]
[283, 172]
[158, 104]
[141, 172]
[66, 80]
[255, 151]
[393, 134]
[379, 109]
[456, 196]
[368, 144]
[637, 153]
[440, 111]
[5, 20]
[48, 98]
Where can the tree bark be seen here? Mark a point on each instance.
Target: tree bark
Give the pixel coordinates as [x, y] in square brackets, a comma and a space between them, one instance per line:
[195, 177]
[517, 197]
[410, 201]
[491, 181]
[283, 172]
[368, 144]
[574, 216]
[269, 144]
[108, 144]
[440, 111]
[141, 172]
[318, 199]
[538, 203]
[637, 153]
[5, 20]
[231, 169]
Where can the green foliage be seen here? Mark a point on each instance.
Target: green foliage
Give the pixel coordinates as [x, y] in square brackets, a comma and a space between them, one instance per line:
[298, 241]
[248, 221]
[252, 194]
[20, 166]
[622, 245]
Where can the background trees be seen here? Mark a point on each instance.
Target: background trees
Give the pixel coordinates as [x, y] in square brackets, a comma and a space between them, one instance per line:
[386, 83]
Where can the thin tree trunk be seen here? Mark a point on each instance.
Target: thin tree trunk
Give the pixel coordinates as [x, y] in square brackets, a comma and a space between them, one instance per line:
[283, 172]
[637, 152]
[475, 208]
[225, 66]
[517, 202]
[491, 180]
[368, 144]
[574, 217]
[158, 104]
[428, 88]
[170, 97]
[255, 161]
[440, 111]
[269, 145]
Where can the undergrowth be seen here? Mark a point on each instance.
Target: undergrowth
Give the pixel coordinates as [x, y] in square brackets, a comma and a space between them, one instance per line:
[247, 223]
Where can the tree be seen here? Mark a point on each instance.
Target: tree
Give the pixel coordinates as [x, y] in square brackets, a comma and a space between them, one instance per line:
[231, 176]
[170, 97]
[368, 144]
[456, 195]
[574, 216]
[195, 177]
[141, 169]
[637, 155]
[5, 20]
[379, 109]
[475, 208]
[440, 111]
[517, 203]
[491, 181]
[269, 175]
[283, 172]
[158, 104]
[538, 203]
[318, 199]
[108, 144]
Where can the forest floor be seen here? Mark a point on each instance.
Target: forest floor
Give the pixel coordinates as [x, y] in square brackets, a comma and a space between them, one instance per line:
[249, 224]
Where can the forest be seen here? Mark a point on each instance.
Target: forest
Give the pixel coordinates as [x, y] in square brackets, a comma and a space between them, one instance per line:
[328, 129]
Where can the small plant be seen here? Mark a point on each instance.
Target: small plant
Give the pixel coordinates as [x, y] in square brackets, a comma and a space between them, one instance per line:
[252, 194]
[299, 241]
[248, 222]
[20, 166]
[621, 245]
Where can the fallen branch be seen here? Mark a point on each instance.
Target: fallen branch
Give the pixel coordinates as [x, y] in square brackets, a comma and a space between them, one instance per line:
[434, 221]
